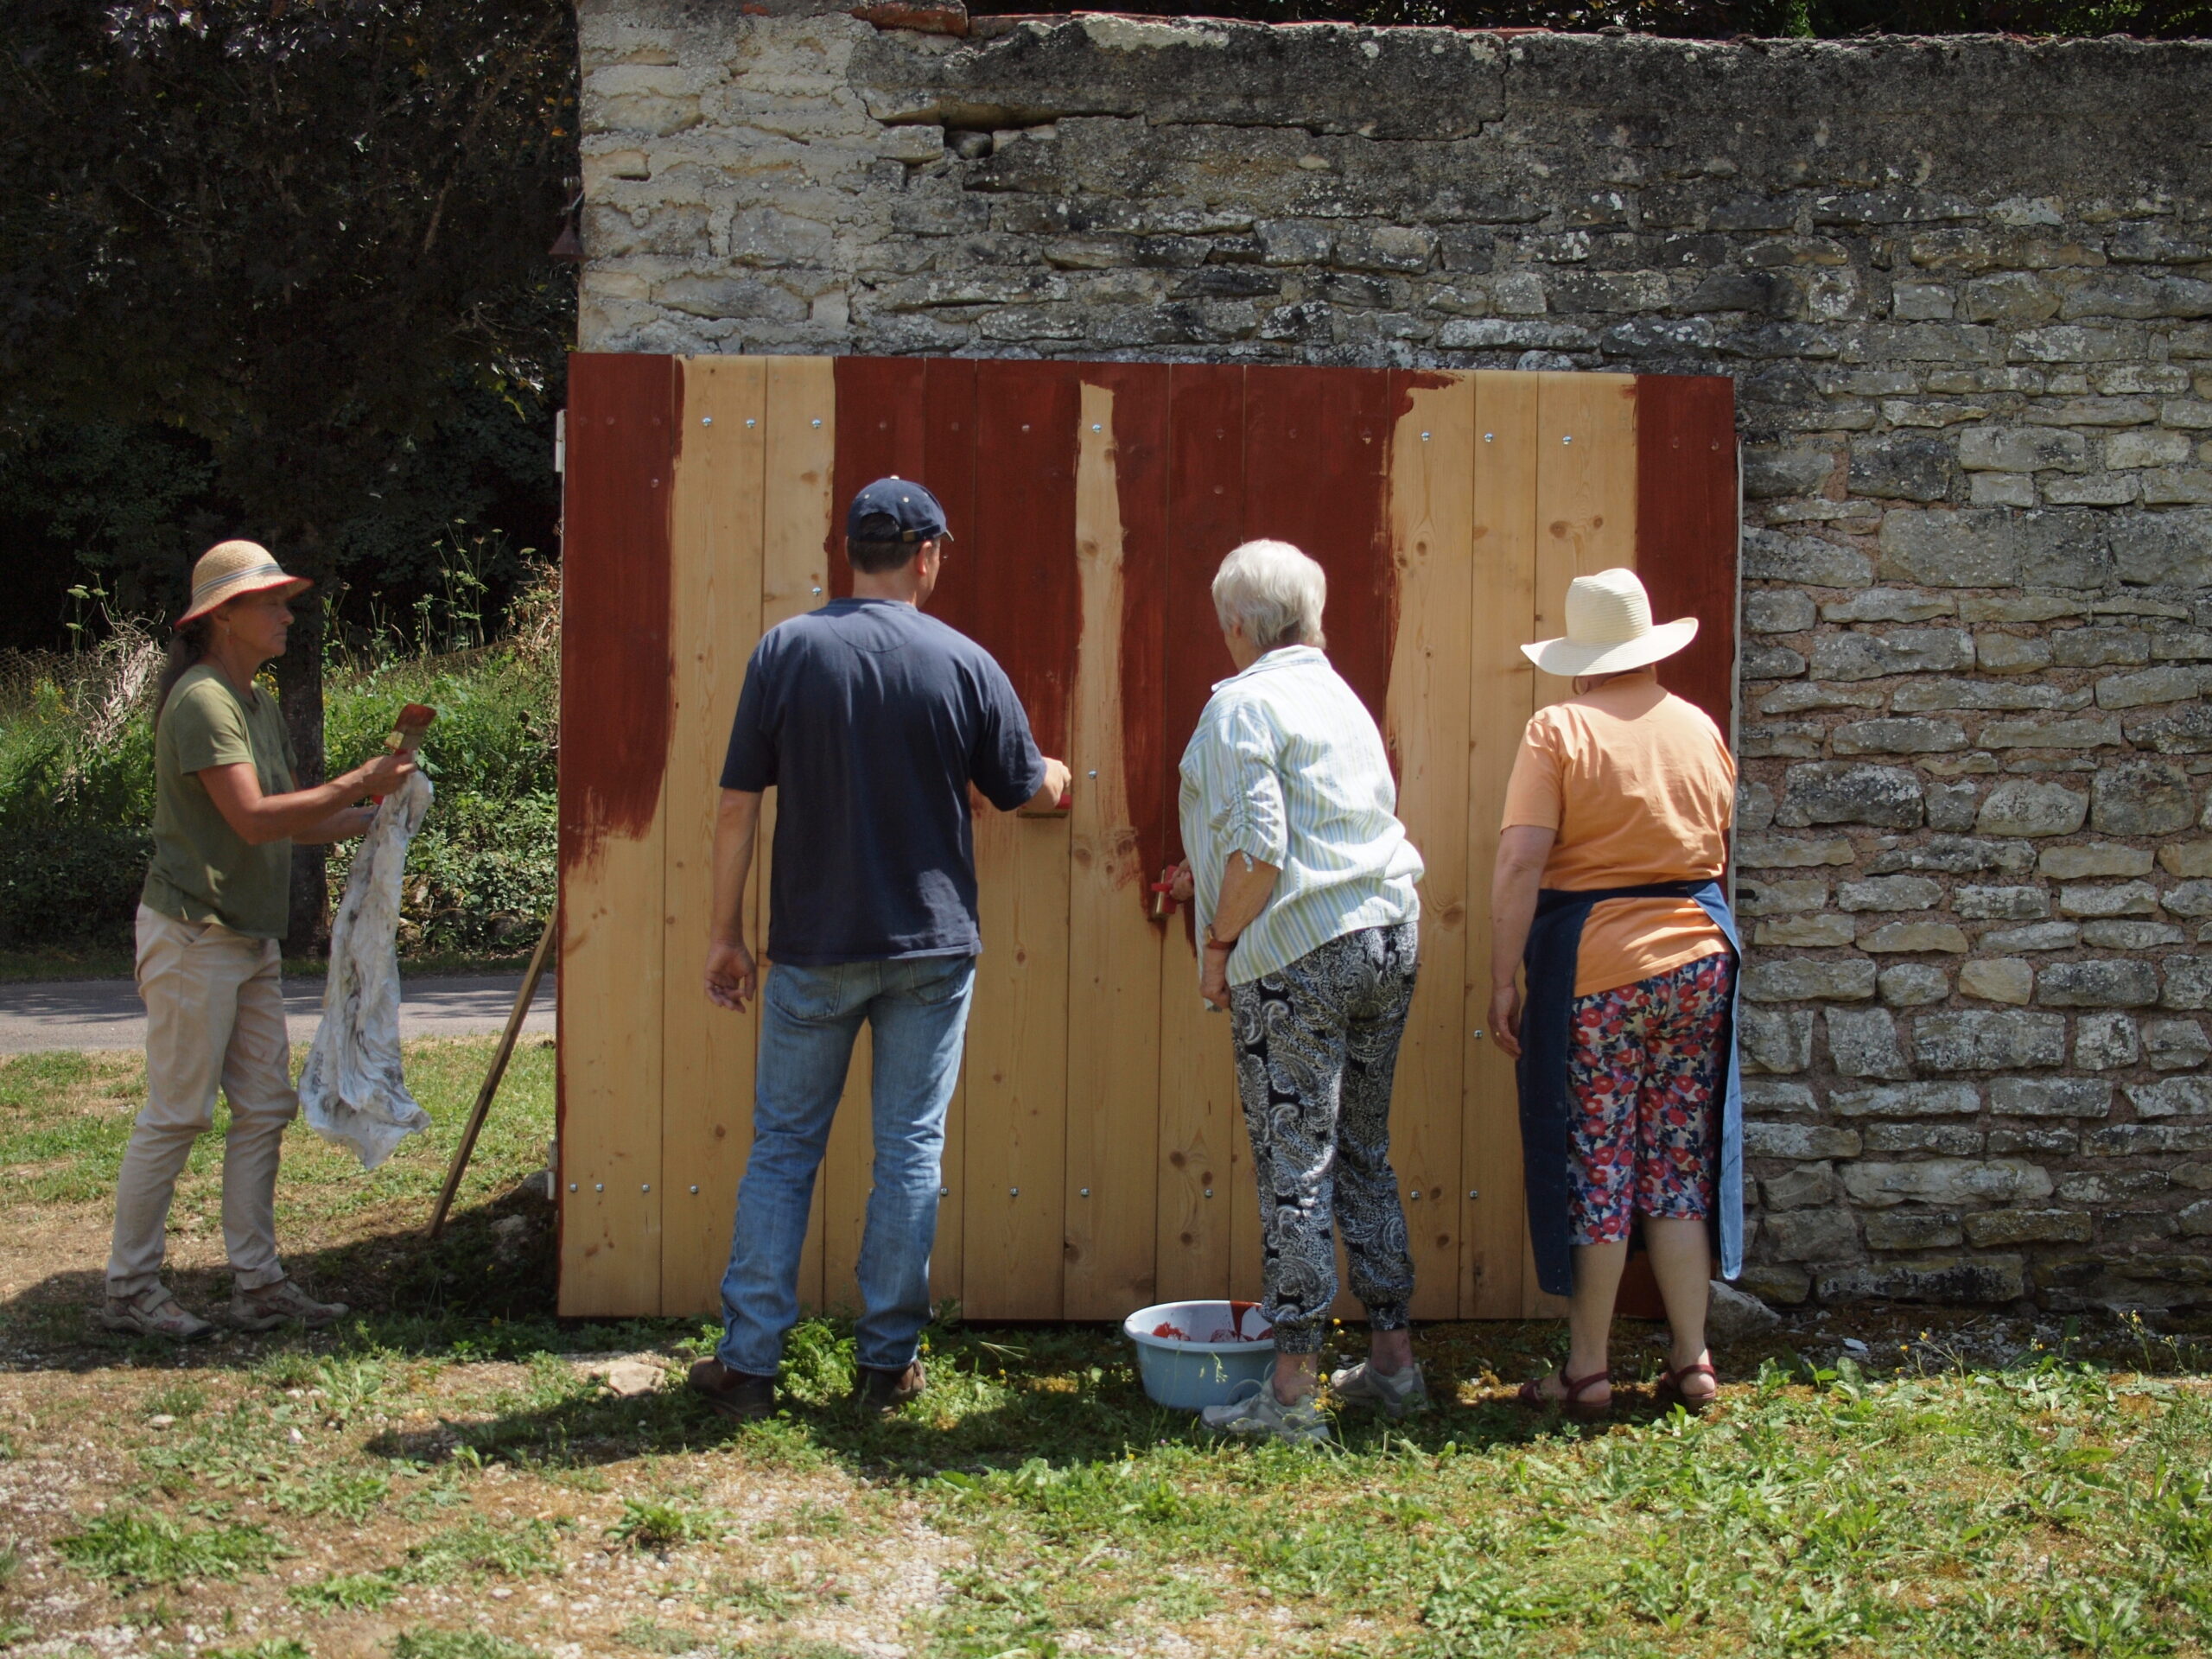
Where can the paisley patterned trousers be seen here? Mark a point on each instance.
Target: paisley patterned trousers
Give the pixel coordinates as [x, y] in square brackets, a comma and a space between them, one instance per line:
[1317, 1047]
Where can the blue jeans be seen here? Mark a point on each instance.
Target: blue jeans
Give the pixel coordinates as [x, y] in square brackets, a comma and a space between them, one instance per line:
[810, 1017]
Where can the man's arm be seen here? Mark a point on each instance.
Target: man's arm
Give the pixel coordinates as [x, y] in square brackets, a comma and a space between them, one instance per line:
[1523, 851]
[1050, 791]
[731, 975]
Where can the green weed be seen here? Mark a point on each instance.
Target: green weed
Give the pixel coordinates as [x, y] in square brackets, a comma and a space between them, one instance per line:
[659, 1525]
[273, 1647]
[346, 1594]
[514, 1550]
[136, 1548]
[428, 1643]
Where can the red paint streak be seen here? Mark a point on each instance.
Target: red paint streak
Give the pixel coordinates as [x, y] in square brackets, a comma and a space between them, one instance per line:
[1140, 408]
[1317, 473]
[1026, 604]
[1205, 518]
[879, 435]
[616, 670]
[948, 468]
[1686, 527]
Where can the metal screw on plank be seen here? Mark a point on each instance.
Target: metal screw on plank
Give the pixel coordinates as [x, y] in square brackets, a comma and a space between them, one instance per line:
[817, 593]
[1474, 1192]
[1424, 437]
[645, 1186]
[1478, 1036]
[1488, 436]
[706, 420]
[572, 1186]
[750, 424]
[1209, 1191]
[817, 420]
[1094, 771]
[1569, 438]
[599, 1187]
[1086, 1191]
[945, 1191]
[1014, 1192]
[695, 1191]
[1094, 427]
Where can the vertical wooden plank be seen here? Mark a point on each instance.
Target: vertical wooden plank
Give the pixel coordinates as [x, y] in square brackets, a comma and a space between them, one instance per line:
[707, 1053]
[1433, 531]
[1585, 492]
[1026, 612]
[1199, 1114]
[1686, 530]
[797, 520]
[1500, 697]
[1113, 950]
[615, 716]
[1316, 455]
[948, 469]
[879, 432]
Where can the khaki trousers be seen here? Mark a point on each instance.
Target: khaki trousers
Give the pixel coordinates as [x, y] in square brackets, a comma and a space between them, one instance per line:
[214, 1015]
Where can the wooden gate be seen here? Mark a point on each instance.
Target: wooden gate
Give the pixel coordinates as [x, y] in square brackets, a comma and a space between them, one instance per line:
[1095, 1159]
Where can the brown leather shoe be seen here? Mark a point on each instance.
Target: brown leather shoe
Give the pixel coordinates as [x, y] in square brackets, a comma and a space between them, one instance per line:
[882, 1393]
[737, 1394]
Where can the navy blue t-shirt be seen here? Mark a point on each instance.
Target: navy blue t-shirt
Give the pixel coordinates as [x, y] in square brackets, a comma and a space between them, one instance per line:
[871, 719]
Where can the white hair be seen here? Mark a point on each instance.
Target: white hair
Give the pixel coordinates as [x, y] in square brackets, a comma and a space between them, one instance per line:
[1276, 591]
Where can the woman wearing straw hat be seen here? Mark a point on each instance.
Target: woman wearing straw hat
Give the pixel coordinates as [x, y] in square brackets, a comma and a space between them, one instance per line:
[1607, 886]
[225, 815]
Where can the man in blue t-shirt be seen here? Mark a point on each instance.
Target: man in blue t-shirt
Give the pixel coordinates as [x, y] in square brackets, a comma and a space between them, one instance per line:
[871, 721]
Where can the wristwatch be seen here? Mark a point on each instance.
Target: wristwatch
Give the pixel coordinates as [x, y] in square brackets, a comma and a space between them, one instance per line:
[1215, 942]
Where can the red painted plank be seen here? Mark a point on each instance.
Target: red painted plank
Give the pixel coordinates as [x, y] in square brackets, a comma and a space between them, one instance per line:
[1140, 410]
[1205, 518]
[616, 672]
[1316, 459]
[1686, 527]
[880, 426]
[1027, 603]
[948, 468]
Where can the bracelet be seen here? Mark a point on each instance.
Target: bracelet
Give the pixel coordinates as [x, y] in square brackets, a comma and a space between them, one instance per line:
[1213, 943]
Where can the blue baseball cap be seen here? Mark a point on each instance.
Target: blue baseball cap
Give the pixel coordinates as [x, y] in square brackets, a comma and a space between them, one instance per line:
[895, 510]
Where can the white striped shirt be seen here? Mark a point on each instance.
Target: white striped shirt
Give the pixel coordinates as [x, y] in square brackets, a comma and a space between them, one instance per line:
[1286, 765]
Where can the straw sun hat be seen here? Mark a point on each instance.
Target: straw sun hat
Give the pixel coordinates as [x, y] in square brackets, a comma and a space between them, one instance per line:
[229, 569]
[1609, 628]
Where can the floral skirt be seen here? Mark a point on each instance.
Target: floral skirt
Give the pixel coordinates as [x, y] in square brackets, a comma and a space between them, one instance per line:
[1642, 1068]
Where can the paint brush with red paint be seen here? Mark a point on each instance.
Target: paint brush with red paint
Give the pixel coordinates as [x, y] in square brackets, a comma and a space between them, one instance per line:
[407, 729]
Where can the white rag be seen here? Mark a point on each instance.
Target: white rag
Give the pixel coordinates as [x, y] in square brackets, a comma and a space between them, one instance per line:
[350, 1088]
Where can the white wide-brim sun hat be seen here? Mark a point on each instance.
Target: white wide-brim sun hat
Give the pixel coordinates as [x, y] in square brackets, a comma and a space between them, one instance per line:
[1609, 628]
[230, 568]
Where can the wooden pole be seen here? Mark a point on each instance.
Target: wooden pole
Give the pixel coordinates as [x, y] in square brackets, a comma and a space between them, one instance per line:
[524, 997]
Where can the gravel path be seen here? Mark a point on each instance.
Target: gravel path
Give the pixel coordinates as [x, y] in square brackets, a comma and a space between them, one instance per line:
[106, 1013]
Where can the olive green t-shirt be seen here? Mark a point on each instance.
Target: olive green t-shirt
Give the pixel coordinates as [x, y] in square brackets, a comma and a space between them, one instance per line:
[203, 870]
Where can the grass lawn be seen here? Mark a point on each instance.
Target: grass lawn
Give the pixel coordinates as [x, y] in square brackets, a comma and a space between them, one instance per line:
[450, 1475]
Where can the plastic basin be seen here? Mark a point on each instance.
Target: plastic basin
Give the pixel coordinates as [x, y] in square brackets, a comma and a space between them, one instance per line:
[1188, 1371]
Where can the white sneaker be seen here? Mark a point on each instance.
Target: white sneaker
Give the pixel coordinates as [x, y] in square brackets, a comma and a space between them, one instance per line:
[153, 1313]
[1394, 1393]
[1254, 1409]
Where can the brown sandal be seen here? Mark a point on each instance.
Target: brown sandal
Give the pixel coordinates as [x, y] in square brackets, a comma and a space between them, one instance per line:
[1671, 1392]
[1532, 1396]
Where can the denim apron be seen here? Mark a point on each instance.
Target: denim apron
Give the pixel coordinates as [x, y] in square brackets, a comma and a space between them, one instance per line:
[1555, 946]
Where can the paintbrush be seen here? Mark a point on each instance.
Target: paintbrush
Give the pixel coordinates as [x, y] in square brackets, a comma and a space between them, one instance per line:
[407, 729]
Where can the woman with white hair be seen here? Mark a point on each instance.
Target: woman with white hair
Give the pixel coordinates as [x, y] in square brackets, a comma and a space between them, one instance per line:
[1304, 886]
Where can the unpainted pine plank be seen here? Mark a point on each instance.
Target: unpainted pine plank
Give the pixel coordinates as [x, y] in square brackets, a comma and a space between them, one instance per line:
[707, 1053]
[1585, 492]
[1026, 611]
[1113, 950]
[799, 518]
[615, 721]
[1433, 531]
[1198, 1112]
[1500, 698]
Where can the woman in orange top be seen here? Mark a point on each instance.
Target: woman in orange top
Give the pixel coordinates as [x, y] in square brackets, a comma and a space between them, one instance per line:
[1607, 885]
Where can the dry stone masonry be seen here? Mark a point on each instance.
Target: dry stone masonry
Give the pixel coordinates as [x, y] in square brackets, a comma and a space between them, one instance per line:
[1965, 290]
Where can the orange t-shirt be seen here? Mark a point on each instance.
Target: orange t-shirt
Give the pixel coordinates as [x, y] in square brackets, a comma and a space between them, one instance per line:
[1641, 788]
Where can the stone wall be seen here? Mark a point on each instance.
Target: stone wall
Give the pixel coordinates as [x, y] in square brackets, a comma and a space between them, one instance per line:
[1963, 287]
